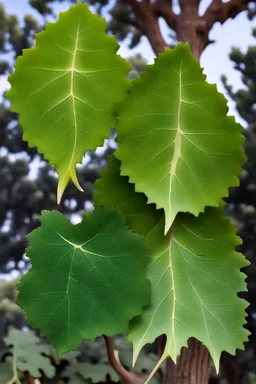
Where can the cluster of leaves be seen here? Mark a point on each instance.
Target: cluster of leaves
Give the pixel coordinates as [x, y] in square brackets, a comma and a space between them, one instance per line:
[22, 197]
[26, 354]
[178, 152]
[28, 183]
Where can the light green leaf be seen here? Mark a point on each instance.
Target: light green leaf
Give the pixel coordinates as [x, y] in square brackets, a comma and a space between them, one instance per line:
[66, 89]
[176, 143]
[6, 371]
[72, 374]
[27, 349]
[86, 280]
[195, 277]
[95, 372]
[194, 273]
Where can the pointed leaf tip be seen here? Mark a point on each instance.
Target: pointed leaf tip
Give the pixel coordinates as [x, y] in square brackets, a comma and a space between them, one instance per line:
[63, 181]
[192, 296]
[188, 269]
[67, 88]
[177, 145]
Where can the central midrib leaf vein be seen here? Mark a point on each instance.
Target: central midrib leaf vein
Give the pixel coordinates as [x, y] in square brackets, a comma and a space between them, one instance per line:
[172, 338]
[177, 140]
[72, 93]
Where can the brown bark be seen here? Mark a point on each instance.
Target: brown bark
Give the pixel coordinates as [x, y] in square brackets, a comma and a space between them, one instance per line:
[190, 30]
[152, 31]
[231, 369]
[188, 25]
[192, 366]
[29, 379]
[218, 11]
[127, 376]
[147, 23]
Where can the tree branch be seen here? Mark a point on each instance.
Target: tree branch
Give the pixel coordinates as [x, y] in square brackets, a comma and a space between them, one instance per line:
[147, 20]
[117, 366]
[219, 11]
[163, 8]
[189, 4]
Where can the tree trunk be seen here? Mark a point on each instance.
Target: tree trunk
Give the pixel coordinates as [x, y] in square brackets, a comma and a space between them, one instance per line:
[193, 28]
[192, 366]
[232, 370]
[197, 41]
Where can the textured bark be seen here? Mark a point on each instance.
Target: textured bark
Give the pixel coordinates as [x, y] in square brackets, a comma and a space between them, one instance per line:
[192, 366]
[153, 33]
[189, 31]
[188, 25]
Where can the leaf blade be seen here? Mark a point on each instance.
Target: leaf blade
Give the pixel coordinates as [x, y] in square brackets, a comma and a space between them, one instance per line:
[113, 190]
[27, 351]
[184, 256]
[195, 278]
[66, 89]
[177, 144]
[84, 278]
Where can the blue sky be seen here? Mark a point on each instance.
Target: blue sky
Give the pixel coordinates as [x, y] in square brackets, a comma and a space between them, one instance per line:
[215, 61]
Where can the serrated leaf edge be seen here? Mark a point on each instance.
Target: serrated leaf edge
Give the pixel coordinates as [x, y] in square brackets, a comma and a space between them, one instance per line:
[45, 213]
[216, 359]
[71, 172]
[138, 184]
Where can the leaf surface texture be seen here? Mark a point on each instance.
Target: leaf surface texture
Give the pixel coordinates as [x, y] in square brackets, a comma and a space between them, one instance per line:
[176, 143]
[66, 89]
[85, 278]
[194, 273]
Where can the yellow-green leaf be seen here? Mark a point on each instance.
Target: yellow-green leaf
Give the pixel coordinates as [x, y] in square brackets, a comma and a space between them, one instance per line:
[66, 89]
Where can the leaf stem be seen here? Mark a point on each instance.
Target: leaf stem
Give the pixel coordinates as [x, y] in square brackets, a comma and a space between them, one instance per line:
[15, 379]
[117, 366]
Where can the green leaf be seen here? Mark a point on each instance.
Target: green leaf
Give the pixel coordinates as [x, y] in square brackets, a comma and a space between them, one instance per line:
[194, 273]
[6, 371]
[112, 190]
[195, 277]
[86, 280]
[27, 350]
[66, 89]
[95, 372]
[72, 374]
[176, 143]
